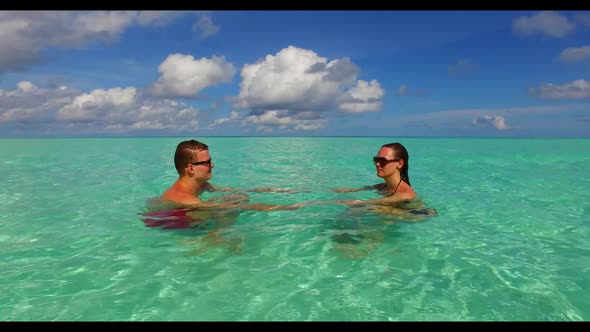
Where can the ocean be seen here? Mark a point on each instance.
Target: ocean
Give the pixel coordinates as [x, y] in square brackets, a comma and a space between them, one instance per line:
[510, 242]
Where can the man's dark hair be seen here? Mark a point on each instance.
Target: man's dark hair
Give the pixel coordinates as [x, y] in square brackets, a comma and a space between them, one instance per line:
[185, 153]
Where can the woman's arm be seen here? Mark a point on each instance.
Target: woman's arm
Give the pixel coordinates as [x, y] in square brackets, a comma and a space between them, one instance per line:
[389, 200]
[350, 190]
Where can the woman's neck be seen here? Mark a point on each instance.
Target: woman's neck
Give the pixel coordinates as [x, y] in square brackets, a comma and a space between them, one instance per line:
[392, 182]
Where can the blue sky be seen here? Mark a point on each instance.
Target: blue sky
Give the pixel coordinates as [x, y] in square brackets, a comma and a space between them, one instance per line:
[295, 73]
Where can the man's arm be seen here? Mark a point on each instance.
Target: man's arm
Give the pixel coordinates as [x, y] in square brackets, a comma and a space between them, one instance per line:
[194, 203]
[244, 206]
[211, 187]
[273, 190]
[269, 207]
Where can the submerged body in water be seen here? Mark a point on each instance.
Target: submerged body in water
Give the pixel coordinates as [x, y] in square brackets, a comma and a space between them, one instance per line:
[163, 214]
[356, 237]
[408, 210]
[208, 223]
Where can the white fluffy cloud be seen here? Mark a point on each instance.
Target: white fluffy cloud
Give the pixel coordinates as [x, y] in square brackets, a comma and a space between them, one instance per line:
[577, 89]
[575, 54]
[234, 116]
[290, 80]
[116, 110]
[497, 122]
[205, 26]
[294, 88]
[364, 97]
[549, 23]
[183, 76]
[98, 104]
[297, 80]
[24, 34]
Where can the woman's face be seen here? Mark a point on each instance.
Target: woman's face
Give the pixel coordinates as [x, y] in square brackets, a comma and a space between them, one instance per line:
[386, 163]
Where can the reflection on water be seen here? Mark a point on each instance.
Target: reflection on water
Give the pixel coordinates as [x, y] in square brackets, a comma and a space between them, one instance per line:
[213, 239]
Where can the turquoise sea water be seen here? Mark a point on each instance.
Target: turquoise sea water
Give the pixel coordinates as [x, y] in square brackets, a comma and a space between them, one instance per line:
[511, 240]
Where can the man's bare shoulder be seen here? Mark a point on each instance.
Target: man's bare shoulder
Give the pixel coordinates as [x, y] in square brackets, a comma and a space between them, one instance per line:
[180, 198]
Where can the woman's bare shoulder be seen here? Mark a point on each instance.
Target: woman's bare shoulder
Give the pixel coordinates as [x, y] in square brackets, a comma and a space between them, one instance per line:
[406, 191]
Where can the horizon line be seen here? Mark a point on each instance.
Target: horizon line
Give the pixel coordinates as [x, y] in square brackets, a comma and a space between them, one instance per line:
[283, 136]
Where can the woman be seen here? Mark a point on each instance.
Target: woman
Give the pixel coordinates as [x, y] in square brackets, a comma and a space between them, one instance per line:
[392, 164]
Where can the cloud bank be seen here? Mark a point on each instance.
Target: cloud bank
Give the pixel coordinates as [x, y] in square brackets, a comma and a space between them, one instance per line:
[110, 111]
[25, 34]
[577, 89]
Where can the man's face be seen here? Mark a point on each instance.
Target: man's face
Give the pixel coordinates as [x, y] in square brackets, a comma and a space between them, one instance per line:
[201, 167]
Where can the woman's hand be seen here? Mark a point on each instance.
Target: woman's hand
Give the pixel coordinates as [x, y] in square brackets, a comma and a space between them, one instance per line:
[351, 202]
[344, 190]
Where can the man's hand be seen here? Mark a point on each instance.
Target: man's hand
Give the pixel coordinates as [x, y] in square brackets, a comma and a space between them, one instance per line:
[270, 207]
[236, 197]
[274, 190]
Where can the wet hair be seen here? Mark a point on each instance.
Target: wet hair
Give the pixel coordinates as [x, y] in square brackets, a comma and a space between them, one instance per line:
[400, 152]
[185, 152]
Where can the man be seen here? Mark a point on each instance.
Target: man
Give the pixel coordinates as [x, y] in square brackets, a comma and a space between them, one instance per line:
[194, 165]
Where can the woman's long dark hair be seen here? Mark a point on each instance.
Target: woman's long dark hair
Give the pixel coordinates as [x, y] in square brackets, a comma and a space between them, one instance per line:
[401, 153]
